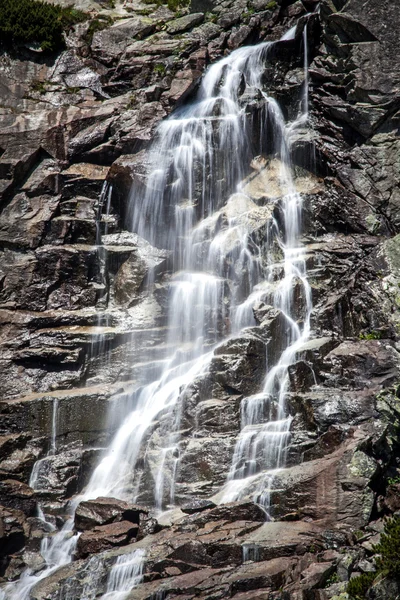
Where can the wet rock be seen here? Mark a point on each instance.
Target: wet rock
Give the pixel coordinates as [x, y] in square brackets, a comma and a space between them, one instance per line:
[230, 512]
[197, 506]
[24, 221]
[372, 360]
[103, 511]
[104, 537]
[17, 495]
[239, 364]
[56, 475]
[12, 530]
[183, 84]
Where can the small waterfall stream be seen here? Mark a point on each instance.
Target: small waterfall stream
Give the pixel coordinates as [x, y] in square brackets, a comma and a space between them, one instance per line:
[201, 154]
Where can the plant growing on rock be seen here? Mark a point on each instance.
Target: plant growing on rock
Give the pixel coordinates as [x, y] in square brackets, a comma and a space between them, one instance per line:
[98, 24]
[159, 68]
[394, 480]
[359, 586]
[387, 560]
[38, 86]
[388, 549]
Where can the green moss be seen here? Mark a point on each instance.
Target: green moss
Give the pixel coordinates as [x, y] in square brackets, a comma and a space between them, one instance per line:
[159, 68]
[271, 5]
[72, 90]
[358, 586]
[211, 17]
[177, 4]
[36, 22]
[373, 335]
[131, 102]
[39, 86]
[334, 578]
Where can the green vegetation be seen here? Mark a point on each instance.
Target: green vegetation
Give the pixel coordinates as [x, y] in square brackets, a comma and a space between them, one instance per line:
[36, 22]
[359, 534]
[98, 24]
[159, 68]
[131, 102]
[38, 86]
[211, 17]
[271, 5]
[388, 549]
[174, 5]
[358, 586]
[394, 480]
[387, 560]
[72, 90]
[374, 335]
[334, 578]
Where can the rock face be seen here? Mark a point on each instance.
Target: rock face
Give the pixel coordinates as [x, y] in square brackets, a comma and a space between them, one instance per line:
[79, 329]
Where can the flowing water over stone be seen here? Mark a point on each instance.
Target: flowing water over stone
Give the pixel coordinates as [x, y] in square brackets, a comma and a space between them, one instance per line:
[195, 206]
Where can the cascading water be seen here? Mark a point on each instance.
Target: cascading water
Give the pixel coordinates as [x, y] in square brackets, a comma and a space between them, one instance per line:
[200, 156]
[125, 574]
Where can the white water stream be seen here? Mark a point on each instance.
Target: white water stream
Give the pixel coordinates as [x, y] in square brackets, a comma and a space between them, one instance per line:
[201, 154]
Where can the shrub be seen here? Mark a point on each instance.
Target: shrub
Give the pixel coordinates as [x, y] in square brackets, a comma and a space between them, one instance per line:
[394, 480]
[389, 548]
[358, 586]
[36, 22]
[387, 561]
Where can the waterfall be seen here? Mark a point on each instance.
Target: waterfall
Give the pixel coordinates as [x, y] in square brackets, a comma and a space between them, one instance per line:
[306, 83]
[125, 574]
[199, 158]
[261, 448]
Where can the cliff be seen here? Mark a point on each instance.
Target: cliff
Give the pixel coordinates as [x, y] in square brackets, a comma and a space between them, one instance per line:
[84, 302]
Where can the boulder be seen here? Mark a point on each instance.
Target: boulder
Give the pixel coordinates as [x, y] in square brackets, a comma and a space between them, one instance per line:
[103, 511]
[197, 506]
[184, 23]
[17, 495]
[103, 537]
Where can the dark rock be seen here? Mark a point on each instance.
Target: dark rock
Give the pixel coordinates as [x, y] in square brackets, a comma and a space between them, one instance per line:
[230, 512]
[392, 498]
[102, 511]
[12, 530]
[197, 506]
[17, 495]
[104, 537]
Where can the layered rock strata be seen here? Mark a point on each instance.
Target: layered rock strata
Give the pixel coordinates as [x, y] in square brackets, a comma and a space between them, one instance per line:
[70, 306]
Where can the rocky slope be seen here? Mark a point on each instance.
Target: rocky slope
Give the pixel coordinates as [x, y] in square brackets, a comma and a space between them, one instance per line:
[77, 324]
